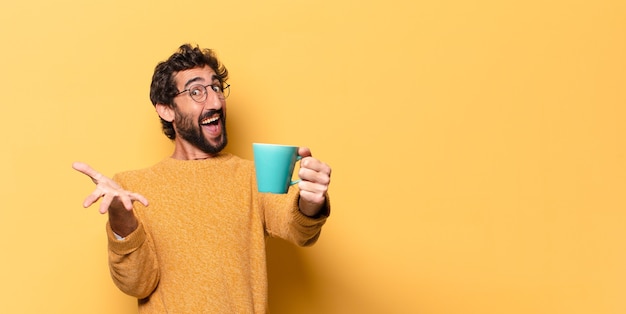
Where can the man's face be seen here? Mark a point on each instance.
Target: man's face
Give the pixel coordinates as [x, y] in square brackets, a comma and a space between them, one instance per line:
[201, 124]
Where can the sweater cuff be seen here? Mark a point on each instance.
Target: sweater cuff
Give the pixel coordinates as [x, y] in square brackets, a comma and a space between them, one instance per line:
[129, 244]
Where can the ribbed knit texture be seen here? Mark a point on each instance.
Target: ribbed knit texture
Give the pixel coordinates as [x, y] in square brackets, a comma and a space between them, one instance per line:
[200, 244]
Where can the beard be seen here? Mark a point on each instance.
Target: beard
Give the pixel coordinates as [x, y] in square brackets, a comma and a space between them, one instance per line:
[191, 131]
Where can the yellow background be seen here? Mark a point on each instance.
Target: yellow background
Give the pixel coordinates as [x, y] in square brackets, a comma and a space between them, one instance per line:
[477, 146]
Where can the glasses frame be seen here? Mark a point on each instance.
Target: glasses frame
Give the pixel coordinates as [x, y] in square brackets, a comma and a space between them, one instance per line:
[223, 94]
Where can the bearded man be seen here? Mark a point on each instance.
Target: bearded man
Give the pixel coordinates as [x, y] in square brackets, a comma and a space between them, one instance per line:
[188, 234]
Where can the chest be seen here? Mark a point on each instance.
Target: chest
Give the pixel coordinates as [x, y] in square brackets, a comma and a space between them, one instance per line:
[200, 214]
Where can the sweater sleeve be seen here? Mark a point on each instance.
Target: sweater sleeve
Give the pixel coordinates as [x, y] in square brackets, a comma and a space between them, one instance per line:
[283, 218]
[133, 262]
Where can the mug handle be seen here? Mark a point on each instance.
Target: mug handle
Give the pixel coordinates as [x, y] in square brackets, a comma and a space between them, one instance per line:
[296, 181]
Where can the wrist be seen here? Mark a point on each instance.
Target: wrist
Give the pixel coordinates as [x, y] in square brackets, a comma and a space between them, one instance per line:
[123, 223]
[313, 210]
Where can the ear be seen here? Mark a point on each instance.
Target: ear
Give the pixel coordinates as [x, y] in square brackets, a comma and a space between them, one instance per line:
[165, 112]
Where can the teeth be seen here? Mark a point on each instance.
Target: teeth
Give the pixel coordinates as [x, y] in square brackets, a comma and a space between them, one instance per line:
[210, 120]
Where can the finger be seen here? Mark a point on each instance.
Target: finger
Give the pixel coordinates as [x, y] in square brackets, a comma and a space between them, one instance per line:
[140, 198]
[129, 198]
[314, 165]
[312, 186]
[304, 152]
[105, 203]
[127, 202]
[89, 200]
[318, 177]
[313, 197]
[87, 170]
[93, 197]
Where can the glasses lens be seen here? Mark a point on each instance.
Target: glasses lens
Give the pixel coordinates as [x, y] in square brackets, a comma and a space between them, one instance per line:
[198, 93]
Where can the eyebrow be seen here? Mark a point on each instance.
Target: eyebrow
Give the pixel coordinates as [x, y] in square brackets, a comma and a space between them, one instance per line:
[197, 78]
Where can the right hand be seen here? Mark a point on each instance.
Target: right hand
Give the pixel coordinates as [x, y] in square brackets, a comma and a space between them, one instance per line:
[114, 198]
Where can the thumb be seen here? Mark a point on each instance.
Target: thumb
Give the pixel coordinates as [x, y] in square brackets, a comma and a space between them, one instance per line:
[304, 152]
[87, 170]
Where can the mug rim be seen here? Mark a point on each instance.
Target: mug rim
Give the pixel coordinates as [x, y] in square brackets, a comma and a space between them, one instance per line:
[270, 144]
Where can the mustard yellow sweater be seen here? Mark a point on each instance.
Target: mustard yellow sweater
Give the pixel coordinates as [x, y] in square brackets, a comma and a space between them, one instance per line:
[200, 244]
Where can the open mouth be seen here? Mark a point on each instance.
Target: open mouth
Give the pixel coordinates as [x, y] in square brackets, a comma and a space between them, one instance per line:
[212, 123]
[211, 120]
[212, 117]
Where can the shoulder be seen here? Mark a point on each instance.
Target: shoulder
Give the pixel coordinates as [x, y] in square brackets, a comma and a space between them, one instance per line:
[148, 173]
[238, 164]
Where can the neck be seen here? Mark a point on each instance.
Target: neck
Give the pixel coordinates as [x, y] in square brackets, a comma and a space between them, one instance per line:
[185, 151]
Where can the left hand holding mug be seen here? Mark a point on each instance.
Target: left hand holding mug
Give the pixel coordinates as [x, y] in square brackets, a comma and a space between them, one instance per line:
[315, 178]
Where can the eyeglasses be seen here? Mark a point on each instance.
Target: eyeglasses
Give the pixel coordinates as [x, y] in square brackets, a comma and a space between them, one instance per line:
[199, 92]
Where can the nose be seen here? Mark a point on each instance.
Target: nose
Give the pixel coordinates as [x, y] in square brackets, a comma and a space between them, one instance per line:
[214, 100]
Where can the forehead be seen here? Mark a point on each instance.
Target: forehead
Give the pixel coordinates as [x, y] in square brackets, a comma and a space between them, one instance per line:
[200, 75]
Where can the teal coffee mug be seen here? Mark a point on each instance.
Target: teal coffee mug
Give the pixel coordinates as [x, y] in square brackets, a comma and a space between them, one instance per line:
[274, 166]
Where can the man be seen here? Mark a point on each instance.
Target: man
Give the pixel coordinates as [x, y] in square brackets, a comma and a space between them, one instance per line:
[199, 247]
